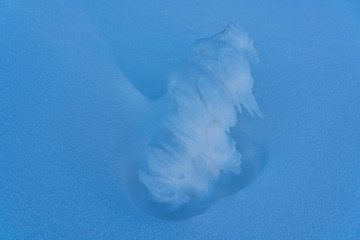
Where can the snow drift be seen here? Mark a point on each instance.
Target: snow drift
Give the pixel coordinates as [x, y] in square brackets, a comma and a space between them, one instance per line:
[193, 151]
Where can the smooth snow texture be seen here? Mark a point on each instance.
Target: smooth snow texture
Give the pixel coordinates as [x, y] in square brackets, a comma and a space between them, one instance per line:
[73, 120]
[193, 147]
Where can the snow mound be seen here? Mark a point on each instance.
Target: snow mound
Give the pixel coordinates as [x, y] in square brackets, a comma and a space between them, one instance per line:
[193, 150]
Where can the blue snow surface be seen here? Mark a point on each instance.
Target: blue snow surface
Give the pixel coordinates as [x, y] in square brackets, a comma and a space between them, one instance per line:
[179, 119]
